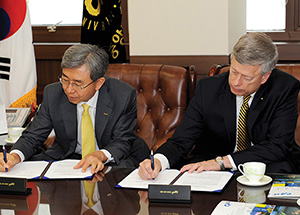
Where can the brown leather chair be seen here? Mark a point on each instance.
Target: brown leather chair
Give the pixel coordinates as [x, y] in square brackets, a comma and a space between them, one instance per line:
[293, 69]
[163, 94]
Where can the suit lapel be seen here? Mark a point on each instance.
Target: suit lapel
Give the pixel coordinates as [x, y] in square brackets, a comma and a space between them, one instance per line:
[70, 122]
[256, 106]
[228, 107]
[103, 112]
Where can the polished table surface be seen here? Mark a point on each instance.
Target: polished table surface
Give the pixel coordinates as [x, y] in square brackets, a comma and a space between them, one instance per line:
[64, 197]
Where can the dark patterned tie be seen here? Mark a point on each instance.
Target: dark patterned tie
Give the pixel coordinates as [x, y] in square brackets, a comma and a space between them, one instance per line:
[243, 141]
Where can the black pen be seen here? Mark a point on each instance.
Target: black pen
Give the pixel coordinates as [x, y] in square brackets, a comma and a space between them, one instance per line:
[5, 158]
[152, 161]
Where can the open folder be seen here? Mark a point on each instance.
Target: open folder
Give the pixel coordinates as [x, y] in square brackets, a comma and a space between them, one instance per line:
[208, 181]
[48, 170]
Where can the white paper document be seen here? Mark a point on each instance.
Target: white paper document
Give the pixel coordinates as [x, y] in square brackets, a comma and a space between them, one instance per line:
[285, 187]
[242, 208]
[210, 181]
[44, 170]
[133, 180]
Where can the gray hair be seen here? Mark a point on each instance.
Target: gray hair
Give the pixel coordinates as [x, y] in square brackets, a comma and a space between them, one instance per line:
[95, 58]
[256, 49]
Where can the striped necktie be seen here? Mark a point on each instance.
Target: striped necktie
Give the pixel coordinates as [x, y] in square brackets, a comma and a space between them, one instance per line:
[243, 141]
[87, 147]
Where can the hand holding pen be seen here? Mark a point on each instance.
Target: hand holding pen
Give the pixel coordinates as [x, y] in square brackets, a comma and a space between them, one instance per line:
[149, 168]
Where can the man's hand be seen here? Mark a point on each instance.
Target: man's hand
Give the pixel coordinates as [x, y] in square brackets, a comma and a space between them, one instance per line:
[210, 165]
[12, 160]
[201, 166]
[145, 170]
[94, 159]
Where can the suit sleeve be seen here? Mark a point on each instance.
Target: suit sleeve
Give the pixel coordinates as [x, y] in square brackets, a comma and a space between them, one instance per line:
[187, 133]
[122, 137]
[37, 131]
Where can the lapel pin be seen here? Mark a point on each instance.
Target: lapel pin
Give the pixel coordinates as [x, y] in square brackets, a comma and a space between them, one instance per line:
[105, 114]
[261, 98]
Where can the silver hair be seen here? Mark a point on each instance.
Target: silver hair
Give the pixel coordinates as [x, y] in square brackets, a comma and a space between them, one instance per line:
[95, 58]
[256, 49]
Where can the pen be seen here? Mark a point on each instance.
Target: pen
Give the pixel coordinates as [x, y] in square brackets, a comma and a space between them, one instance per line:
[5, 158]
[152, 162]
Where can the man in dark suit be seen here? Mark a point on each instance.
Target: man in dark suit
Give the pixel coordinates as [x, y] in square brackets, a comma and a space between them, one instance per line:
[207, 136]
[112, 109]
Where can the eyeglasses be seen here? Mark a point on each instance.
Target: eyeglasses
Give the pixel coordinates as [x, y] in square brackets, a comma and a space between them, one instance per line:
[66, 83]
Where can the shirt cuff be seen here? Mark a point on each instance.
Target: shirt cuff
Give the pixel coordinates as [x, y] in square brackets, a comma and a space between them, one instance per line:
[163, 161]
[108, 155]
[18, 152]
[232, 163]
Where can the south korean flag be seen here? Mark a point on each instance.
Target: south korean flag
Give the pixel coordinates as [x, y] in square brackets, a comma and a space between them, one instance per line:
[17, 61]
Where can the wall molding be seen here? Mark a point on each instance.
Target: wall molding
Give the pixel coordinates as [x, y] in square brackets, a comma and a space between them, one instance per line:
[202, 63]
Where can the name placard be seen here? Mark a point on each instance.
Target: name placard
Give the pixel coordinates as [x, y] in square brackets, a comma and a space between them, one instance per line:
[169, 193]
[16, 186]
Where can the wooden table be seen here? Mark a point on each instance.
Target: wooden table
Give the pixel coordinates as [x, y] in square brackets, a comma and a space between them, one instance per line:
[64, 197]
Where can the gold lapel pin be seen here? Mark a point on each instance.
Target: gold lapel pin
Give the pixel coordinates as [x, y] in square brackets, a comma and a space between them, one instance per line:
[261, 98]
[105, 114]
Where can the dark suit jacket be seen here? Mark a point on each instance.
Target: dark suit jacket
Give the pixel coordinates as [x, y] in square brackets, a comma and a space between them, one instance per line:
[115, 121]
[210, 122]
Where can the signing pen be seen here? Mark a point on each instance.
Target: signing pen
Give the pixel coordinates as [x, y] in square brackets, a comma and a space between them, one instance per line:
[152, 161]
[5, 158]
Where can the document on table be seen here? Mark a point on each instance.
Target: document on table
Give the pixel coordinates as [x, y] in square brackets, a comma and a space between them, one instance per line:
[133, 180]
[47, 170]
[210, 181]
[285, 187]
[242, 208]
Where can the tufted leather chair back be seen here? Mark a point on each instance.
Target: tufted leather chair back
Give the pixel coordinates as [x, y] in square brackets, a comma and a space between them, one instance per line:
[293, 69]
[163, 94]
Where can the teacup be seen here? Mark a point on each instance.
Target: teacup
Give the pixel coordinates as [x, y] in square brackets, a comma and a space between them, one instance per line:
[253, 171]
[14, 133]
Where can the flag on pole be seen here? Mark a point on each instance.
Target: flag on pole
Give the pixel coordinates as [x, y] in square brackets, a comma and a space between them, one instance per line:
[102, 26]
[18, 80]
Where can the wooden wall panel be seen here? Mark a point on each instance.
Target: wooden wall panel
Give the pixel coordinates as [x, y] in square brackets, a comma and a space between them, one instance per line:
[47, 72]
[48, 58]
[202, 63]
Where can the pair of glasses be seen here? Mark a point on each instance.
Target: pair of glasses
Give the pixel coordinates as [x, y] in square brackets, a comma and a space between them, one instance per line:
[66, 83]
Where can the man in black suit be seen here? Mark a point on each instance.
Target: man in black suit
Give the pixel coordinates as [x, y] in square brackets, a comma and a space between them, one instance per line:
[112, 110]
[206, 138]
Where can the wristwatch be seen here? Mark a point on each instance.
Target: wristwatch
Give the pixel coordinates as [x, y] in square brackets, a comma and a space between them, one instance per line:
[219, 160]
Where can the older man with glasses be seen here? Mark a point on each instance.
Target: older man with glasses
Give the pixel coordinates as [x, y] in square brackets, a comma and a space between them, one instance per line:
[93, 117]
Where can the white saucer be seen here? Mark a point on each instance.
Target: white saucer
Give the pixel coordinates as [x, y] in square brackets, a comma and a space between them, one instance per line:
[8, 140]
[243, 180]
